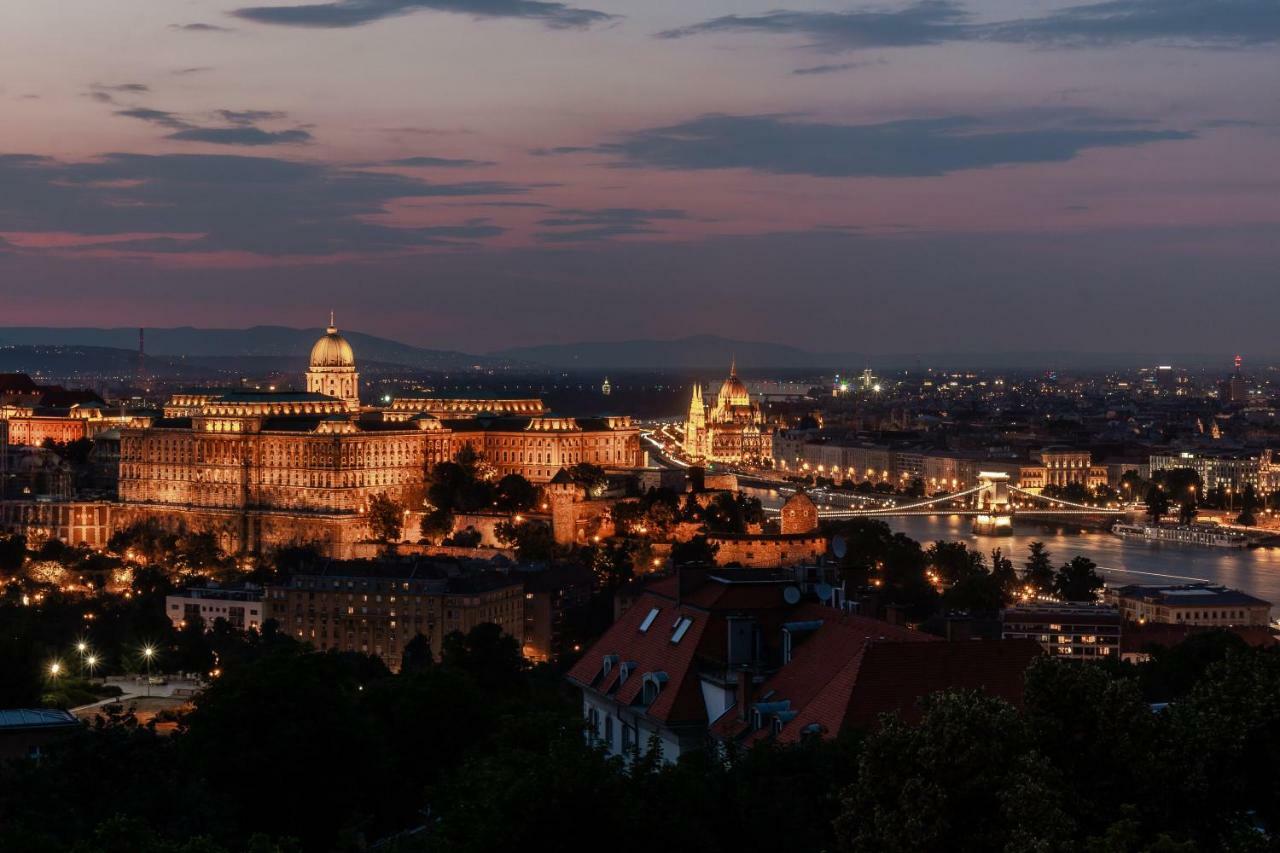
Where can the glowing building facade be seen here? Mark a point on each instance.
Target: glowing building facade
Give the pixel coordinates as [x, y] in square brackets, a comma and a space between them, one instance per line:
[732, 430]
[262, 470]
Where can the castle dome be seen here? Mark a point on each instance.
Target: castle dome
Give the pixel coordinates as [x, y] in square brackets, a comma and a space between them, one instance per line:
[332, 350]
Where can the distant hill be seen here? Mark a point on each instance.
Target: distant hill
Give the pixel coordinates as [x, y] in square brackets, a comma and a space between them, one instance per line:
[91, 364]
[708, 352]
[702, 352]
[257, 341]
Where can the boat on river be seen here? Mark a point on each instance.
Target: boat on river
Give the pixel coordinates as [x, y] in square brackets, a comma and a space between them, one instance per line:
[1183, 534]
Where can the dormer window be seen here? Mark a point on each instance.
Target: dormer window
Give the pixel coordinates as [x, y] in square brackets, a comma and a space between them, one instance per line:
[652, 686]
[625, 670]
[610, 661]
[648, 620]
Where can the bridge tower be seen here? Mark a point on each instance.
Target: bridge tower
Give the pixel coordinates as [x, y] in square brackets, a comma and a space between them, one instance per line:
[995, 513]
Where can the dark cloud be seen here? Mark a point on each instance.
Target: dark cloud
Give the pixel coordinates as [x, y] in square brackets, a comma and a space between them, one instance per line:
[1208, 23]
[164, 118]
[250, 116]
[502, 204]
[260, 205]
[240, 129]
[907, 148]
[353, 13]
[245, 135]
[834, 68]
[561, 149]
[106, 94]
[595, 224]
[439, 163]
[1200, 22]
[198, 27]
[923, 23]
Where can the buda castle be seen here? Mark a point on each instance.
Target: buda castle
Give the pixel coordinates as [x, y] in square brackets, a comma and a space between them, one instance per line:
[733, 430]
[262, 470]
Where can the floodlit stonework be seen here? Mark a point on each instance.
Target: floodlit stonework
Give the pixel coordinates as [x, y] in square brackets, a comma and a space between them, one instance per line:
[733, 430]
[261, 470]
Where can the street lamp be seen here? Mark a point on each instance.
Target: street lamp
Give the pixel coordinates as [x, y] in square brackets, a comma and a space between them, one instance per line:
[148, 652]
[91, 661]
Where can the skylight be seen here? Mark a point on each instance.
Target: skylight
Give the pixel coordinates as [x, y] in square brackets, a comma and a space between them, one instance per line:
[682, 626]
[648, 620]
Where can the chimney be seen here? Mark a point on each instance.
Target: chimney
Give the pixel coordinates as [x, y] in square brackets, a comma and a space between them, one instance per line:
[744, 692]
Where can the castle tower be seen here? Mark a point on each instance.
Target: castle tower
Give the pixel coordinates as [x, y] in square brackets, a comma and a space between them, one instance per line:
[564, 496]
[799, 514]
[333, 368]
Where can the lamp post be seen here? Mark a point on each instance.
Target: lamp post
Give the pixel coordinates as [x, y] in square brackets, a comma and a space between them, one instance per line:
[148, 652]
[83, 648]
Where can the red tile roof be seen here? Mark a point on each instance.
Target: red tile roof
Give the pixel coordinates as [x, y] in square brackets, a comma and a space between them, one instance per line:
[708, 605]
[853, 669]
[1138, 638]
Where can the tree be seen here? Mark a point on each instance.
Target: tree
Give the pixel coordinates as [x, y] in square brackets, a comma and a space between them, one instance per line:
[953, 561]
[1181, 484]
[1078, 580]
[733, 513]
[436, 525]
[532, 540]
[1039, 574]
[485, 653]
[386, 518]
[1002, 572]
[13, 551]
[965, 779]
[590, 477]
[697, 551]
[516, 494]
[1097, 730]
[1157, 503]
[416, 656]
[1131, 484]
[1248, 506]
[1187, 511]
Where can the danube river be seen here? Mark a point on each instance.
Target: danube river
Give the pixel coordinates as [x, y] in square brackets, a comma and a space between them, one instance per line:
[1255, 570]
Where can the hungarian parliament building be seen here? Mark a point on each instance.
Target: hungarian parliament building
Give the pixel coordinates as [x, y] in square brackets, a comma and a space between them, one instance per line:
[733, 430]
[262, 470]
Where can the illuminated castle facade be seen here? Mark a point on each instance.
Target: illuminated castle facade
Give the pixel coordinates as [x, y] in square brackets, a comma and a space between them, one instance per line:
[733, 430]
[263, 470]
[333, 368]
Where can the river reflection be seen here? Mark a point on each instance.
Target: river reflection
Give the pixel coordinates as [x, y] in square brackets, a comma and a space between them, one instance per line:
[1255, 571]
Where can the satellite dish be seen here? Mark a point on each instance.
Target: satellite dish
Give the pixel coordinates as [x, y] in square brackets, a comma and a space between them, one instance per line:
[824, 591]
[791, 594]
[839, 547]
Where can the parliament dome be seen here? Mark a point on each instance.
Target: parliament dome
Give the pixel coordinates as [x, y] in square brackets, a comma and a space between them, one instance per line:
[332, 350]
[733, 392]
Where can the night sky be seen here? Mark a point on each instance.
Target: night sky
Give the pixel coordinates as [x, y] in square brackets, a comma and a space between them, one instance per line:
[476, 174]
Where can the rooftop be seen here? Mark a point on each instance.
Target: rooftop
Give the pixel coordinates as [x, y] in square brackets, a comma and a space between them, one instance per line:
[18, 719]
[1191, 595]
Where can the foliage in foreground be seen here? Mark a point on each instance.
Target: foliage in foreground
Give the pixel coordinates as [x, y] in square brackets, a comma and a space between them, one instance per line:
[295, 752]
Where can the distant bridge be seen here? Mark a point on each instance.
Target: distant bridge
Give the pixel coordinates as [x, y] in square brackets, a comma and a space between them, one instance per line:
[991, 508]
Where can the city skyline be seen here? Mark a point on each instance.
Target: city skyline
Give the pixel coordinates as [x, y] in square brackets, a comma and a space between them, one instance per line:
[988, 175]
